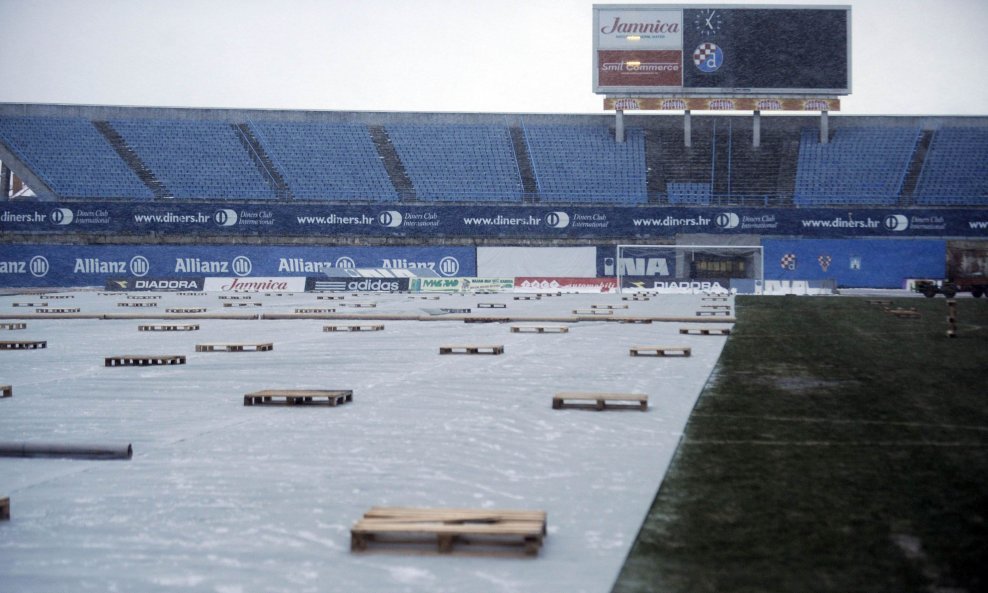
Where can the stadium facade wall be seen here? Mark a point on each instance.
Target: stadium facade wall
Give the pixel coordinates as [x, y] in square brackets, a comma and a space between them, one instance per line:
[48, 265]
[511, 262]
[855, 263]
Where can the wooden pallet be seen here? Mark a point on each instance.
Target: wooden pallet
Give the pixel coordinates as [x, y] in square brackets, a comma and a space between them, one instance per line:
[593, 312]
[719, 307]
[359, 305]
[4, 509]
[882, 302]
[39, 304]
[299, 397]
[143, 297]
[549, 294]
[168, 328]
[23, 345]
[6, 391]
[539, 329]
[13, 326]
[49, 297]
[711, 298]
[472, 349]
[329, 297]
[190, 293]
[636, 297]
[904, 313]
[601, 401]
[141, 360]
[533, 297]
[608, 307]
[241, 304]
[415, 529]
[186, 310]
[635, 320]
[250, 347]
[712, 313]
[310, 310]
[278, 294]
[230, 297]
[425, 298]
[376, 327]
[70, 310]
[142, 304]
[661, 350]
[704, 331]
[492, 306]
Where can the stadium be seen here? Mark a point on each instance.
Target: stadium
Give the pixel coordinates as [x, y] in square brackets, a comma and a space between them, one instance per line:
[750, 282]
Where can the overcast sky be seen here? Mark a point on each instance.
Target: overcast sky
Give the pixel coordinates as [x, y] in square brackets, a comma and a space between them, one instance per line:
[909, 56]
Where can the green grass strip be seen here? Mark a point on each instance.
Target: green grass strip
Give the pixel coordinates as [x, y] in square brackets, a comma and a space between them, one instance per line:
[836, 449]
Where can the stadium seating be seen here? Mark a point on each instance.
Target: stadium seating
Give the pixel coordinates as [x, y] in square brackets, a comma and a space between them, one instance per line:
[326, 161]
[955, 172]
[458, 162]
[860, 166]
[202, 159]
[688, 194]
[71, 157]
[584, 164]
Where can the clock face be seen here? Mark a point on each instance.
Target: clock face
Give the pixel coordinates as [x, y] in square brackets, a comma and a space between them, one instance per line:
[707, 21]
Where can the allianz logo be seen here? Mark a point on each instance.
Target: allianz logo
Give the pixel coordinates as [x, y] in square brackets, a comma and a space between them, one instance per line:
[240, 265]
[37, 266]
[137, 266]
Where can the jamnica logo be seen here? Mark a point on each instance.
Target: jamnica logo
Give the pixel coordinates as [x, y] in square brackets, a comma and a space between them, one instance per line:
[246, 285]
[657, 27]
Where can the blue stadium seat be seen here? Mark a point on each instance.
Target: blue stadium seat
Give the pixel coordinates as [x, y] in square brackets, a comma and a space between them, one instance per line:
[863, 166]
[955, 172]
[585, 164]
[196, 158]
[458, 162]
[71, 157]
[326, 161]
[689, 194]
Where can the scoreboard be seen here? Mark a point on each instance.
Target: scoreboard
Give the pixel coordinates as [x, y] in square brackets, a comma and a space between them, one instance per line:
[721, 50]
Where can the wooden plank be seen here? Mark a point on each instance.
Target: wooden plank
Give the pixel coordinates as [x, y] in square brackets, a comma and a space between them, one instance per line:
[231, 297]
[608, 307]
[539, 329]
[329, 297]
[636, 297]
[139, 304]
[533, 297]
[70, 310]
[6, 391]
[186, 310]
[661, 350]
[492, 306]
[168, 328]
[39, 304]
[299, 397]
[593, 312]
[600, 400]
[703, 331]
[143, 297]
[472, 349]
[144, 360]
[241, 305]
[354, 328]
[23, 344]
[712, 313]
[302, 310]
[239, 347]
[728, 307]
[359, 305]
[48, 297]
[5, 509]
[13, 326]
[448, 528]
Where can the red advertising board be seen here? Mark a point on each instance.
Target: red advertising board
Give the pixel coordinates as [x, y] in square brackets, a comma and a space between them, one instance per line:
[539, 283]
[640, 68]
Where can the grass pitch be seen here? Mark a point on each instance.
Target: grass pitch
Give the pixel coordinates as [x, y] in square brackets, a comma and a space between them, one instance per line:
[837, 449]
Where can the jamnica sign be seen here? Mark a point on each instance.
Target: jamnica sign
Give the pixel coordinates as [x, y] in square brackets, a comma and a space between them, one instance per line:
[254, 284]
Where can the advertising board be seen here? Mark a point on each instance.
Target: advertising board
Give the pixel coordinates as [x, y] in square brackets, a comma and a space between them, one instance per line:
[93, 265]
[538, 284]
[254, 284]
[161, 284]
[722, 49]
[323, 284]
[497, 221]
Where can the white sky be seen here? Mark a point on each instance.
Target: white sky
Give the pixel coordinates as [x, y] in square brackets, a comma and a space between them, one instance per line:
[909, 56]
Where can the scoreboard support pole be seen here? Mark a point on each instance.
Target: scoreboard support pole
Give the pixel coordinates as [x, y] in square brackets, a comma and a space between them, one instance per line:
[687, 130]
[824, 128]
[619, 126]
[756, 130]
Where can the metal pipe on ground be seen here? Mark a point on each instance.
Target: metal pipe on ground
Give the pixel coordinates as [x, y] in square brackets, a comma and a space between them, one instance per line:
[66, 450]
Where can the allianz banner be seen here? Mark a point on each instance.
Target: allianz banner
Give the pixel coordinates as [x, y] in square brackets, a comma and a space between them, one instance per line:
[94, 265]
[436, 221]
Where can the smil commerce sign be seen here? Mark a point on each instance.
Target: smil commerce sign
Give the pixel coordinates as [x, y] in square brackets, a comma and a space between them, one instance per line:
[440, 221]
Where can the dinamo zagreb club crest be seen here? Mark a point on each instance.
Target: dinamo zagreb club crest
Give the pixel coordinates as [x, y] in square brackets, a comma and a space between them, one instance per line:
[708, 57]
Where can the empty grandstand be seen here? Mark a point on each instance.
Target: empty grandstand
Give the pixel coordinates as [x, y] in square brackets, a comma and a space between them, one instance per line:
[109, 153]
